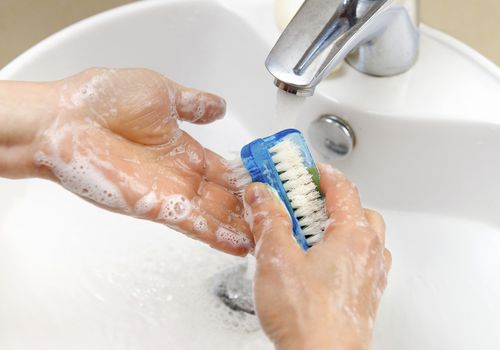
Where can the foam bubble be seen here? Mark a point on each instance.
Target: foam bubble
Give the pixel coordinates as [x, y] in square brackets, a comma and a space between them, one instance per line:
[200, 224]
[175, 208]
[146, 203]
[80, 176]
[236, 239]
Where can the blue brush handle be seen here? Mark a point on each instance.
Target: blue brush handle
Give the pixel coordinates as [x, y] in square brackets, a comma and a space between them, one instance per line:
[258, 162]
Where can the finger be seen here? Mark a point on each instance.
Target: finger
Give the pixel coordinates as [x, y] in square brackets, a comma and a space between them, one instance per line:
[182, 152]
[182, 214]
[197, 106]
[202, 218]
[178, 210]
[387, 260]
[376, 221]
[385, 266]
[185, 152]
[217, 211]
[342, 200]
[219, 171]
[221, 196]
[269, 222]
[235, 239]
[121, 178]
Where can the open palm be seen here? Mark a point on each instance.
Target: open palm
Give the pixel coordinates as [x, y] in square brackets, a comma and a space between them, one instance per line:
[115, 141]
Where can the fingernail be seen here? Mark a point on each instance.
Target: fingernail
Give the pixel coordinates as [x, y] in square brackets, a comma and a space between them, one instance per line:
[257, 193]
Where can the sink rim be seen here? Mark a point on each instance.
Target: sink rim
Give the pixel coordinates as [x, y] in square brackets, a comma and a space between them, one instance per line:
[30, 54]
[474, 101]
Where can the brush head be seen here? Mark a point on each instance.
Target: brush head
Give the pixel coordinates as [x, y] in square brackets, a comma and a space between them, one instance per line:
[301, 189]
[284, 162]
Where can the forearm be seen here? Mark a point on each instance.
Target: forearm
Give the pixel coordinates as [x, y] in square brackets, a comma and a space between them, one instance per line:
[25, 112]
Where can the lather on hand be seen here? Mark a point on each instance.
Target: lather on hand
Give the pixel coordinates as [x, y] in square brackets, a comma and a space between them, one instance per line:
[112, 137]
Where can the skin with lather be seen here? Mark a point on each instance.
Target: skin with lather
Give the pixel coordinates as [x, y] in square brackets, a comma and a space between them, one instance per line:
[111, 136]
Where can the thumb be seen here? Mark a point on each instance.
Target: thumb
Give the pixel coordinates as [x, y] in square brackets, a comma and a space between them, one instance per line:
[197, 106]
[269, 221]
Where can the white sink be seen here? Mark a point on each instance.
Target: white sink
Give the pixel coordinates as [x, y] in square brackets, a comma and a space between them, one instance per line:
[73, 276]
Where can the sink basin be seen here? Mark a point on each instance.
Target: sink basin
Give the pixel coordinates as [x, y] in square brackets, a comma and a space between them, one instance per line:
[74, 276]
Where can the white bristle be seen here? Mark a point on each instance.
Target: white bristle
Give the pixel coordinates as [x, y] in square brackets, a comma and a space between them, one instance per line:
[306, 201]
[239, 176]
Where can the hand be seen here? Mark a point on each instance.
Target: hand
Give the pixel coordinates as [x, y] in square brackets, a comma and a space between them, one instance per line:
[111, 137]
[327, 297]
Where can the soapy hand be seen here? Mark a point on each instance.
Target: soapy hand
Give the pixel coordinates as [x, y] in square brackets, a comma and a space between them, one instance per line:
[112, 137]
[327, 297]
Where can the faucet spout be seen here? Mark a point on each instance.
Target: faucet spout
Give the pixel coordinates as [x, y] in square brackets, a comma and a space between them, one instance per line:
[378, 37]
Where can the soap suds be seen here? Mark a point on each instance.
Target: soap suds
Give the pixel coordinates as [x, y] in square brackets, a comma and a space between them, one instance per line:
[91, 89]
[81, 177]
[236, 239]
[248, 215]
[175, 208]
[200, 224]
[146, 203]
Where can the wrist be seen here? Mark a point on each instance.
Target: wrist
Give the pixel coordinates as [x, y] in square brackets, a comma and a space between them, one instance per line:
[310, 342]
[318, 344]
[325, 338]
[26, 111]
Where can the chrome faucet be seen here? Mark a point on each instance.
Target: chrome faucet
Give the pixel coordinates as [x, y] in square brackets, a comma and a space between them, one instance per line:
[376, 37]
